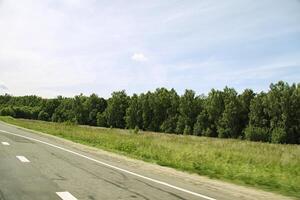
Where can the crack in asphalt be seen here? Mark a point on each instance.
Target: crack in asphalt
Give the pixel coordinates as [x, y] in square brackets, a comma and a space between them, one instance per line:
[170, 193]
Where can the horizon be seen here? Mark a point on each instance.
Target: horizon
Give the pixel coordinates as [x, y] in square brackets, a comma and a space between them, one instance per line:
[144, 92]
[66, 48]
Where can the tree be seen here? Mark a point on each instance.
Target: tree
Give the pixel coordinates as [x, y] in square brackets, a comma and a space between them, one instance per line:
[282, 109]
[64, 112]
[5, 100]
[273, 116]
[212, 112]
[134, 113]
[170, 122]
[294, 128]
[258, 117]
[279, 135]
[259, 121]
[257, 134]
[49, 106]
[116, 109]
[245, 99]
[81, 112]
[7, 111]
[94, 105]
[189, 108]
[26, 112]
[43, 116]
[163, 104]
[230, 123]
[202, 124]
[101, 119]
[147, 114]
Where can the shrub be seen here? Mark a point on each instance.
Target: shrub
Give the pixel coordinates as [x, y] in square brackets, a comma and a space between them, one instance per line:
[35, 112]
[279, 135]
[197, 130]
[71, 122]
[54, 118]
[24, 112]
[208, 133]
[43, 116]
[8, 111]
[101, 119]
[187, 130]
[136, 130]
[223, 132]
[169, 125]
[257, 134]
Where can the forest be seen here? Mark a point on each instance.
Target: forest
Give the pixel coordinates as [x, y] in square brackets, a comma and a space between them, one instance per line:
[272, 116]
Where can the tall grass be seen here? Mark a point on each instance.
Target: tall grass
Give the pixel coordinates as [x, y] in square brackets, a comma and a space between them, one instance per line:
[271, 167]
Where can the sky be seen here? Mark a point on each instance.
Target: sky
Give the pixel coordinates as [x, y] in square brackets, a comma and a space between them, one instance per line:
[68, 47]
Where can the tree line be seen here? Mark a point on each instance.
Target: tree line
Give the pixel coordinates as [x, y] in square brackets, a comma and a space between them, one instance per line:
[272, 116]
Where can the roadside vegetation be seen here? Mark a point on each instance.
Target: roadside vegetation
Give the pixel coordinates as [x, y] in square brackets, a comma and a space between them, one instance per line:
[272, 116]
[273, 167]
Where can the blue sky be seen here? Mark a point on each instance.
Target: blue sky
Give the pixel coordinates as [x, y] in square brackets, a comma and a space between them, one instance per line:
[64, 47]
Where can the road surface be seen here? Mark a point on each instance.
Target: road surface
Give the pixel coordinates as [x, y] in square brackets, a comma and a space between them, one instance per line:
[41, 167]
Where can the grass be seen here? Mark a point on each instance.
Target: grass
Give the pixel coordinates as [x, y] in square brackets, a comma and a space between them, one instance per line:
[272, 167]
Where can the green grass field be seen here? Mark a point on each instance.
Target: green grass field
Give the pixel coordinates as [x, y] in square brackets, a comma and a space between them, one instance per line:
[272, 167]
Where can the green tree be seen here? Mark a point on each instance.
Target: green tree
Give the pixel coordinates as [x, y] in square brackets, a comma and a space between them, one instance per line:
[101, 119]
[170, 121]
[116, 109]
[259, 121]
[64, 112]
[258, 117]
[8, 111]
[202, 124]
[81, 112]
[94, 105]
[213, 110]
[134, 113]
[43, 116]
[164, 105]
[294, 128]
[245, 99]
[189, 108]
[230, 123]
[282, 109]
[257, 134]
[273, 116]
[147, 114]
[49, 106]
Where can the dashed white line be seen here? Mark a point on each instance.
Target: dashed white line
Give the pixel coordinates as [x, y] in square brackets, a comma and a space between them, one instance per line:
[66, 196]
[22, 158]
[5, 143]
[114, 167]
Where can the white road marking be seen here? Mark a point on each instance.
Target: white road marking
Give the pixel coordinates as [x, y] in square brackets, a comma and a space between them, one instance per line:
[66, 196]
[22, 158]
[5, 143]
[114, 167]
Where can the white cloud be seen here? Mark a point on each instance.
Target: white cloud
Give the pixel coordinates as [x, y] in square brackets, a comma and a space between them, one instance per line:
[139, 57]
[67, 47]
[3, 87]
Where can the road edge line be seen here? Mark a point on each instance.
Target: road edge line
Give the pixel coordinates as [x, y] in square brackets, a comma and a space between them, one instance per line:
[113, 167]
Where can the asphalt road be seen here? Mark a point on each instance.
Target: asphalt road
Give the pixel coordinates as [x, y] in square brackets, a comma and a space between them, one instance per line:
[36, 166]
